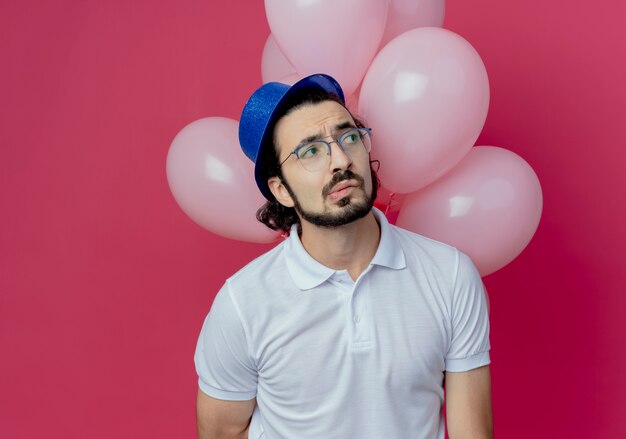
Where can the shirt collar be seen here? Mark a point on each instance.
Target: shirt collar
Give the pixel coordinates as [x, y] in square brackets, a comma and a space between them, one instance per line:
[389, 253]
[308, 273]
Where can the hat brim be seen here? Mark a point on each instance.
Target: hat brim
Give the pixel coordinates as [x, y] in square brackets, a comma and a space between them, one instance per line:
[316, 81]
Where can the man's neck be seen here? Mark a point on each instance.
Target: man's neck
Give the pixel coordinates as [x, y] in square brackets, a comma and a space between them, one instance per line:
[350, 247]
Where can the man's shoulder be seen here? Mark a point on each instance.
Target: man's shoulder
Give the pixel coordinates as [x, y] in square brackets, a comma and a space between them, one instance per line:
[414, 242]
[435, 254]
[428, 254]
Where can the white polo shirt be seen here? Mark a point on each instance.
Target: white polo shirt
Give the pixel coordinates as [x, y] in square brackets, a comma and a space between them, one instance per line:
[327, 357]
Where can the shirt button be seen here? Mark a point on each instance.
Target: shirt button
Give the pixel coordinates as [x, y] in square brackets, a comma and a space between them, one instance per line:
[357, 319]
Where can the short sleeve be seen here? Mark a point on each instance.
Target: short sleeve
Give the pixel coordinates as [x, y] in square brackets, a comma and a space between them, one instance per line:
[223, 363]
[469, 347]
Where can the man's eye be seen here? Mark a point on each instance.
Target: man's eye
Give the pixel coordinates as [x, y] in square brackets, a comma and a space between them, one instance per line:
[309, 152]
[350, 138]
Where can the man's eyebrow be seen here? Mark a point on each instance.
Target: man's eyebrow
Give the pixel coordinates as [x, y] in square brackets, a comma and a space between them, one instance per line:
[318, 136]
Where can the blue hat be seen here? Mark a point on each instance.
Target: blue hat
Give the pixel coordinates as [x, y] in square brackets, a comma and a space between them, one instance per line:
[259, 116]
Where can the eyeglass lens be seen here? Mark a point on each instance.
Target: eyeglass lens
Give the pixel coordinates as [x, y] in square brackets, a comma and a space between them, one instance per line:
[315, 155]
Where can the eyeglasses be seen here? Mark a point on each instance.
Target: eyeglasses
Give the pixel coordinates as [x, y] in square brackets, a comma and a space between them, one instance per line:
[353, 141]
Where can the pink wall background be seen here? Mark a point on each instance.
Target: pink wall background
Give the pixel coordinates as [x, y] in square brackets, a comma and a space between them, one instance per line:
[104, 282]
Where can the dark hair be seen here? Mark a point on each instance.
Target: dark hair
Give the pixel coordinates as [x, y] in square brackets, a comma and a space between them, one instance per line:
[273, 214]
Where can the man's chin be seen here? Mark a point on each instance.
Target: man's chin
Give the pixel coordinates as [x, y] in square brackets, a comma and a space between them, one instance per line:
[345, 211]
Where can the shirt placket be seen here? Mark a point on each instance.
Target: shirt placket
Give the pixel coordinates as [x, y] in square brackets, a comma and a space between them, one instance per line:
[357, 311]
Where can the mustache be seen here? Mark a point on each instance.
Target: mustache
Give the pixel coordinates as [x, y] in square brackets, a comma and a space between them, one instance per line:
[340, 176]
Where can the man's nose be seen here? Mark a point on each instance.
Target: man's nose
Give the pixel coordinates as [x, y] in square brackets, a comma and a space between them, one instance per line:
[339, 160]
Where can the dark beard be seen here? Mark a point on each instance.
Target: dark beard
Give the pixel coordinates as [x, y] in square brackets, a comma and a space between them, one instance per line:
[351, 210]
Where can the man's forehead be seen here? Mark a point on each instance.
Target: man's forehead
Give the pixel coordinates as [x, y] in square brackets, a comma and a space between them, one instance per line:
[311, 119]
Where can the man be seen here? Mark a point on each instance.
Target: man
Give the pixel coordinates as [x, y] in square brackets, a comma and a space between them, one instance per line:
[351, 327]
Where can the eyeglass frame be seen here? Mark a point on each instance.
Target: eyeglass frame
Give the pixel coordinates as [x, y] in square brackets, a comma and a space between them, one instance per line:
[328, 145]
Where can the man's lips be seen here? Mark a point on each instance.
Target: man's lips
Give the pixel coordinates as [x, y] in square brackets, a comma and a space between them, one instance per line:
[341, 184]
[342, 189]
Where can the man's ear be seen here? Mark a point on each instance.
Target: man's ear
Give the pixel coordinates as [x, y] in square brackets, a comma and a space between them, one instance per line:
[280, 191]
